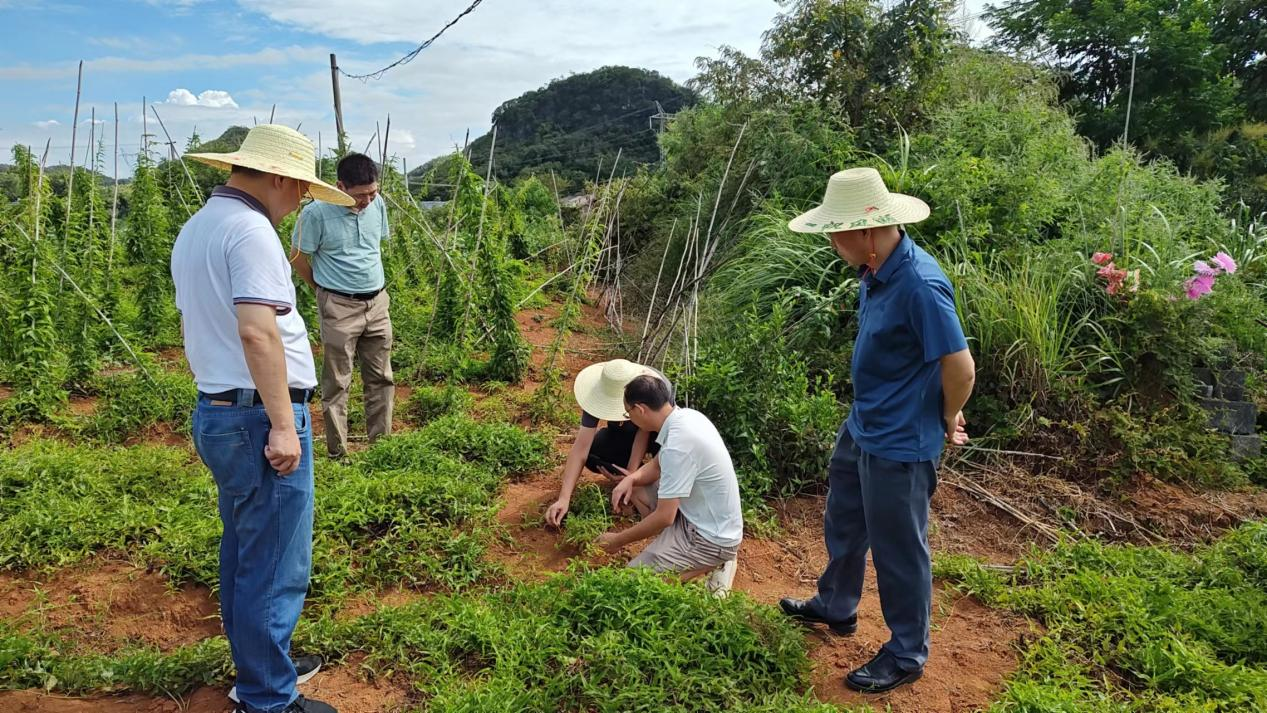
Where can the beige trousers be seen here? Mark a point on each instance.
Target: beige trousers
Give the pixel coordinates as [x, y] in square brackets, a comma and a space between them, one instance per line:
[355, 331]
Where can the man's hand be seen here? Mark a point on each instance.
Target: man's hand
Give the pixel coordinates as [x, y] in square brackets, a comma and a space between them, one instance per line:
[956, 435]
[622, 494]
[555, 513]
[283, 450]
[607, 541]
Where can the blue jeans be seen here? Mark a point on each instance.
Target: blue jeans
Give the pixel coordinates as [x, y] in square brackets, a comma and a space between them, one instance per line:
[881, 505]
[266, 549]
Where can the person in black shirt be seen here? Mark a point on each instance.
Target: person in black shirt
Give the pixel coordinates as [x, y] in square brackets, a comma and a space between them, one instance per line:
[599, 390]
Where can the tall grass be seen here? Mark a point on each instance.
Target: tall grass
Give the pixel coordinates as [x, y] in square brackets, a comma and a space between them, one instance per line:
[1033, 326]
[798, 273]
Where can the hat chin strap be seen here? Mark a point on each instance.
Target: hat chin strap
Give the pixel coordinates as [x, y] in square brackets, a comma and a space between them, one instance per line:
[299, 224]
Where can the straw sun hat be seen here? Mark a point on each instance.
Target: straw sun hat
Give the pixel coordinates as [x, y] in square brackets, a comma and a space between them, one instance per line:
[282, 151]
[856, 199]
[600, 388]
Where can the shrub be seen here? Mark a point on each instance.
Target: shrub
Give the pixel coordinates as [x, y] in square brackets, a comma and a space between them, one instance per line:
[504, 449]
[778, 424]
[427, 403]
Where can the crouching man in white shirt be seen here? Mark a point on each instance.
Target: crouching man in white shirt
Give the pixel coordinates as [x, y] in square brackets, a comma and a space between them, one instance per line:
[697, 521]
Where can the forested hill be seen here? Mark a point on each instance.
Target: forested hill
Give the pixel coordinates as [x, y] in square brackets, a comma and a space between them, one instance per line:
[572, 124]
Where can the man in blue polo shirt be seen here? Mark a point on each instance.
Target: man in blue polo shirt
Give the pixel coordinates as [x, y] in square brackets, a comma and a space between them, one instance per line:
[341, 259]
[912, 376]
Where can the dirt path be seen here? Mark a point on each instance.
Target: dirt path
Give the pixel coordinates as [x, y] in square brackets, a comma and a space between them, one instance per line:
[974, 648]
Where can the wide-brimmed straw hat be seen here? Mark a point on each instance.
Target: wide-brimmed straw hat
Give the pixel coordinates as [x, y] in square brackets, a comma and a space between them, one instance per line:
[857, 198]
[279, 150]
[600, 388]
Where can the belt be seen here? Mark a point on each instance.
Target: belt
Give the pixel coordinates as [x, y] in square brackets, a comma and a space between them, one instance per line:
[362, 296]
[251, 397]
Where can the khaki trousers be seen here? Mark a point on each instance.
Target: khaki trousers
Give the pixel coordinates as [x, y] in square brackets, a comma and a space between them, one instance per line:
[355, 331]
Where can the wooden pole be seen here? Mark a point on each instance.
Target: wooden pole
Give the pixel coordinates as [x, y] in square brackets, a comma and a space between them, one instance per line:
[338, 104]
[92, 176]
[386, 134]
[378, 134]
[74, 132]
[273, 112]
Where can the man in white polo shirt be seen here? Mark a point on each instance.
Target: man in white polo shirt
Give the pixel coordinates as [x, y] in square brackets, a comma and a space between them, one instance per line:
[697, 521]
[249, 351]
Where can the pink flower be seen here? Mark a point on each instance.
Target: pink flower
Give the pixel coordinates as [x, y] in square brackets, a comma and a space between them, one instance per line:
[1226, 262]
[1199, 286]
[1202, 268]
[1114, 276]
[1102, 258]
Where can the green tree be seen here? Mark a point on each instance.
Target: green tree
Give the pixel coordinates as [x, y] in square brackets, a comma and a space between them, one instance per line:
[1186, 55]
[849, 56]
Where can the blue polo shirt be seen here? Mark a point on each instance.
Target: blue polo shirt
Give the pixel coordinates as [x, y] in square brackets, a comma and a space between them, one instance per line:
[345, 246]
[906, 323]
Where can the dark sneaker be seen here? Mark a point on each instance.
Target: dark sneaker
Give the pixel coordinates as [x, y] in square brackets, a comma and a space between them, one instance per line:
[307, 705]
[300, 705]
[305, 668]
[804, 611]
[881, 674]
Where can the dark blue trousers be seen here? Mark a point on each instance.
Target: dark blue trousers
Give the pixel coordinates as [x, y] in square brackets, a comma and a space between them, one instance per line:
[881, 505]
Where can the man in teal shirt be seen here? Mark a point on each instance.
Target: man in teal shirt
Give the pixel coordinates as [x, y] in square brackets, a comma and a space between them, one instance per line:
[341, 258]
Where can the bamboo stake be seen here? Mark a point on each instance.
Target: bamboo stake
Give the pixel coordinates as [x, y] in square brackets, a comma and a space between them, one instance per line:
[74, 133]
[646, 324]
[92, 176]
[378, 134]
[386, 135]
[114, 202]
[39, 194]
[189, 176]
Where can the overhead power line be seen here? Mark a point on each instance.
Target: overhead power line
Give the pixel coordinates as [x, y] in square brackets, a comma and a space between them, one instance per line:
[409, 57]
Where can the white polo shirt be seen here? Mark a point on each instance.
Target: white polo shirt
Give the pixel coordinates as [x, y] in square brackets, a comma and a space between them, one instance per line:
[696, 467]
[228, 254]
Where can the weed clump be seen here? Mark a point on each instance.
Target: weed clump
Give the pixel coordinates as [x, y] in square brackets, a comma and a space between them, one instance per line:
[1137, 628]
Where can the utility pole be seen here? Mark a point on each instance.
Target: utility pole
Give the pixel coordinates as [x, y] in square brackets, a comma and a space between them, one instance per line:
[663, 118]
[338, 104]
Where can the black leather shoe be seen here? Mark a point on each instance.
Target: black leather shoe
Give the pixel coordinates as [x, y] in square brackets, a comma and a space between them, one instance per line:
[803, 610]
[881, 674]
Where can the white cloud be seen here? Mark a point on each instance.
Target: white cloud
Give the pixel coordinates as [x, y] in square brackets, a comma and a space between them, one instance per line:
[211, 98]
[90, 121]
[48, 123]
[277, 56]
[123, 43]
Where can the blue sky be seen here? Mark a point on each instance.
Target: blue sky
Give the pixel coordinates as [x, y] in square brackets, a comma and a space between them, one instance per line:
[211, 64]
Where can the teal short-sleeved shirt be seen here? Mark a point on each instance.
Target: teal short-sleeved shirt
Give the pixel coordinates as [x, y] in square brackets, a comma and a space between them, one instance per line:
[345, 247]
